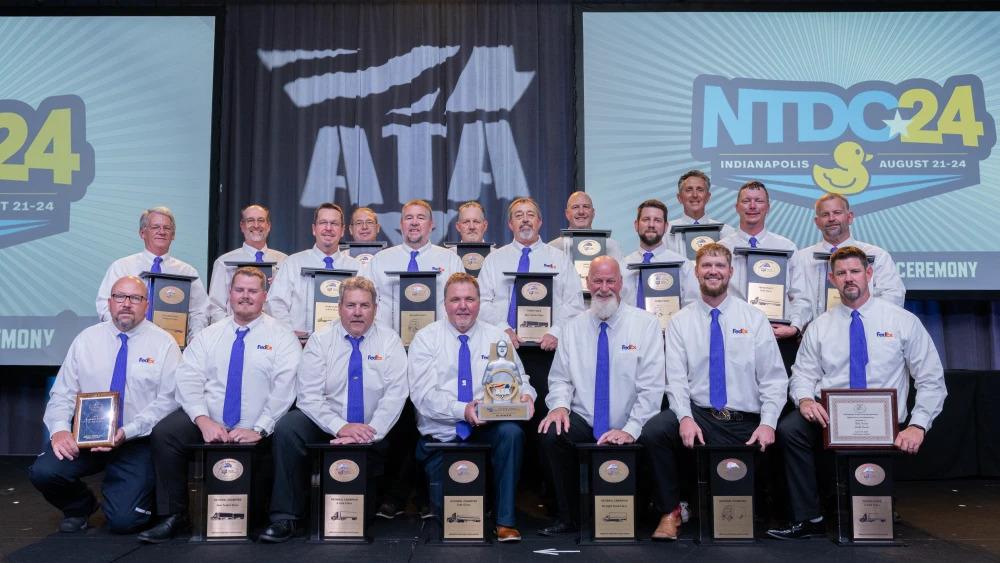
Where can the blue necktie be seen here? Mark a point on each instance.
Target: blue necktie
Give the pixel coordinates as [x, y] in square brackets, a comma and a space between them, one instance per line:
[149, 292]
[859, 352]
[640, 289]
[118, 376]
[329, 262]
[753, 242]
[355, 382]
[412, 266]
[833, 249]
[462, 428]
[696, 222]
[234, 381]
[602, 387]
[523, 265]
[716, 364]
[259, 256]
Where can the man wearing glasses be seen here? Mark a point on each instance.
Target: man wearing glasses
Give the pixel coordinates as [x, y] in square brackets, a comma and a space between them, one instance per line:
[364, 225]
[156, 229]
[255, 224]
[290, 297]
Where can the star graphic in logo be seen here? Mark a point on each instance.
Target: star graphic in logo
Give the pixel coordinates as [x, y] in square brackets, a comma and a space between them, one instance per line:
[897, 125]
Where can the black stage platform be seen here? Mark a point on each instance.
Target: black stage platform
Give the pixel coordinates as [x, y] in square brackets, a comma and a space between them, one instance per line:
[941, 521]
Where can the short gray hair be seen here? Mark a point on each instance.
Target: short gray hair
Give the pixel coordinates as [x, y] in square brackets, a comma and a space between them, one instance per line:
[165, 211]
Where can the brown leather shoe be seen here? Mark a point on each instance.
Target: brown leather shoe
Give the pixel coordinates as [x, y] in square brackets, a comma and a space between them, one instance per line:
[668, 526]
[505, 534]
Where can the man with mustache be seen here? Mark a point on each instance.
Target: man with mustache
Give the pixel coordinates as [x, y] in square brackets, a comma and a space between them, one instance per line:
[290, 298]
[651, 225]
[237, 378]
[446, 405]
[136, 359]
[255, 224]
[580, 214]
[833, 219]
[864, 342]
[725, 381]
[693, 192]
[351, 389]
[606, 381]
[156, 229]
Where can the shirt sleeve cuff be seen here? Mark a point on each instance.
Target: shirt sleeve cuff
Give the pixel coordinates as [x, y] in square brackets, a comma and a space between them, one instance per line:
[336, 424]
[131, 431]
[458, 410]
[633, 429]
[920, 420]
[681, 411]
[265, 422]
[60, 427]
[769, 417]
[556, 331]
[197, 411]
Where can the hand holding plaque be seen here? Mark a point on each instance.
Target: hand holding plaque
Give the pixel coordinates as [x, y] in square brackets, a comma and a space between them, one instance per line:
[502, 387]
[96, 421]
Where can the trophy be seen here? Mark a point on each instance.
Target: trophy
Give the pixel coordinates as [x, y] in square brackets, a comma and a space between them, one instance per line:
[502, 387]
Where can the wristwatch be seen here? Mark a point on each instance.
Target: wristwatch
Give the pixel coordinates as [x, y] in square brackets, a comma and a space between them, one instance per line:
[263, 433]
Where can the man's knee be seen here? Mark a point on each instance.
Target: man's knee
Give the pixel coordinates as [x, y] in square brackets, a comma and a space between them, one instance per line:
[510, 433]
[660, 430]
[45, 471]
[126, 521]
[794, 431]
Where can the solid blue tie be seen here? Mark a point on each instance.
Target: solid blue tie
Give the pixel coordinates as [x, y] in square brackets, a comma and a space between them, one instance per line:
[716, 365]
[328, 261]
[412, 266]
[149, 292]
[355, 382]
[859, 352]
[523, 265]
[118, 376]
[259, 256]
[234, 381]
[753, 242]
[640, 289]
[462, 428]
[602, 385]
[696, 222]
[833, 249]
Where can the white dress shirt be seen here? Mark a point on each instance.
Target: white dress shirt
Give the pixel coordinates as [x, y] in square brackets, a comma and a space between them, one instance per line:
[676, 242]
[898, 348]
[322, 378]
[808, 288]
[143, 262]
[396, 259]
[766, 240]
[636, 368]
[495, 286]
[662, 253]
[270, 357]
[153, 356]
[222, 277]
[433, 374]
[755, 375]
[291, 295]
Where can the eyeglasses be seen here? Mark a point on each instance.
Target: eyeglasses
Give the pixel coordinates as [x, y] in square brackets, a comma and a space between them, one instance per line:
[121, 297]
[164, 228]
[332, 224]
[368, 223]
[255, 221]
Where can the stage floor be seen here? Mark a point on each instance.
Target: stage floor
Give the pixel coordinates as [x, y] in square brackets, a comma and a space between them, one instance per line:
[941, 521]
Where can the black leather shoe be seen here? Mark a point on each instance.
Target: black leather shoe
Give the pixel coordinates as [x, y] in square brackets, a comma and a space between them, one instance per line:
[166, 529]
[557, 529]
[799, 530]
[389, 510]
[73, 524]
[280, 531]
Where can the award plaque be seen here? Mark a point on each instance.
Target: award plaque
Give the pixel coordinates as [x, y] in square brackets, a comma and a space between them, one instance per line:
[696, 236]
[266, 268]
[502, 387]
[584, 245]
[725, 493]
[661, 288]
[607, 493]
[533, 292]
[326, 294]
[96, 419]
[472, 255]
[417, 302]
[767, 280]
[340, 489]
[171, 303]
[864, 497]
[363, 251]
[860, 418]
[829, 296]
[223, 484]
[463, 484]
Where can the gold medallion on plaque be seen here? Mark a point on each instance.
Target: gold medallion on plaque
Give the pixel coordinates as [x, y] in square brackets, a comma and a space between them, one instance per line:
[588, 247]
[731, 469]
[613, 471]
[171, 295]
[698, 242]
[463, 471]
[227, 469]
[766, 268]
[534, 291]
[869, 474]
[330, 288]
[417, 293]
[364, 258]
[344, 470]
[660, 281]
[473, 261]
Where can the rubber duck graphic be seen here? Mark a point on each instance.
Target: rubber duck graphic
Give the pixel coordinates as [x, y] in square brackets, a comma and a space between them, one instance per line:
[850, 175]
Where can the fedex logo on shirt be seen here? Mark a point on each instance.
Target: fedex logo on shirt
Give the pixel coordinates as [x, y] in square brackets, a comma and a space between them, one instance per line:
[147, 361]
[885, 334]
[550, 266]
[740, 331]
[437, 268]
[376, 357]
[264, 347]
[484, 356]
[629, 347]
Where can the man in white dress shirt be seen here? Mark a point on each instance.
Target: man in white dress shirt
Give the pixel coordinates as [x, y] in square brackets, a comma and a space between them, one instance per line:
[863, 343]
[651, 225]
[446, 405]
[136, 359]
[471, 223]
[156, 229]
[237, 378]
[693, 192]
[255, 224]
[580, 214]
[606, 381]
[725, 382]
[807, 291]
[364, 225]
[290, 297]
[351, 385]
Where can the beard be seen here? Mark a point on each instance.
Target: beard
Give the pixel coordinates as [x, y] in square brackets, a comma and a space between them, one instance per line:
[712, 292]
[604, 307]
[651, 238]
[126, 323]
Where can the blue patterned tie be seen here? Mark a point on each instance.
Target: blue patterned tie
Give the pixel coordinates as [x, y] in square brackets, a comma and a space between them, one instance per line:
[523, 265]
[696, 222]
[412, 266]
[328, 261]
[859, 352]
[716, 364]
[118, 376]
[149, 292]
[234, 381]
[259, 256]
[463, 428]
[753, 242]
[640, 288]
[602, 386]
[355, 382]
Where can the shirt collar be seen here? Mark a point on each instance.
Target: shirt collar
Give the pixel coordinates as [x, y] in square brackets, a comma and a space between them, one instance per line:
[253, 251]
[534, 246]
[723, 307]
[612, 320]
[149, 256]
[656, 249]
[410, 249]
[138, 329]
[745, 236]
[826, 245]
[322, 254]
[864, 310]
[251, 325]
[705, 219]
[342, 332]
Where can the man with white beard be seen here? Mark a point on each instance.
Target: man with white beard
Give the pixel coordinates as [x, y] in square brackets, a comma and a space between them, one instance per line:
[604, 397]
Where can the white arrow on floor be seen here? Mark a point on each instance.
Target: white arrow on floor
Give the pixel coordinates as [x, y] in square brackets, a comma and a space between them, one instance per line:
[556, 552]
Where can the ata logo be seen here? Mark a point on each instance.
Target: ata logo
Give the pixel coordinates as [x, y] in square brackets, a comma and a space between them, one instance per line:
[877, 143]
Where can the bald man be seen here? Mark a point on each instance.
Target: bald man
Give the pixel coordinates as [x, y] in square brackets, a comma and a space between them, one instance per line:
[580, 214]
